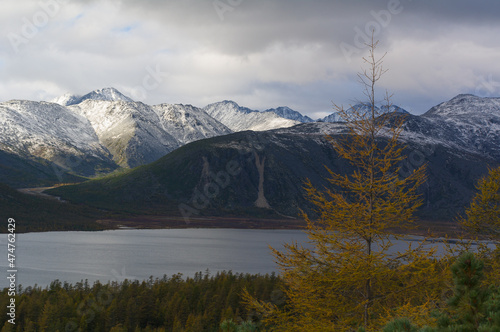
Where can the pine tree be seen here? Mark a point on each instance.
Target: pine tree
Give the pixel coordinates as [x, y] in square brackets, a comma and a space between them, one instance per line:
[350, 278]
[473, 306]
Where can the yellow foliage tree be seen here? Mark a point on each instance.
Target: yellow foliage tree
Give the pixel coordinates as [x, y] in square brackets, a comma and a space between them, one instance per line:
[350, 274]
[483, 214]
[482, 221]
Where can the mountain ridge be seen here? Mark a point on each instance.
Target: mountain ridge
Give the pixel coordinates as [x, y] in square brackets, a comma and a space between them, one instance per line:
[221, 176]
[104, 94]
[239, 118]
[96, 136]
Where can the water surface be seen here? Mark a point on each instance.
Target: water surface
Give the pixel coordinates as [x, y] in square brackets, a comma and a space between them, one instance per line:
[139, 254]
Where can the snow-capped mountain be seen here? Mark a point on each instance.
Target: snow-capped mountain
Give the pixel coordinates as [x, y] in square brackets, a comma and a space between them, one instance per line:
[131, 131]
[468, 121]
[66, 99]
[239, 118]
[100, 130]
[188, 123]
[466, 107]
[104, 129]
[362, 109]
[47, 131]
[288, 113]
[106, 94]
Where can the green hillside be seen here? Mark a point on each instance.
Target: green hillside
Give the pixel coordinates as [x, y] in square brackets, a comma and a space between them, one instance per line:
[219, 176]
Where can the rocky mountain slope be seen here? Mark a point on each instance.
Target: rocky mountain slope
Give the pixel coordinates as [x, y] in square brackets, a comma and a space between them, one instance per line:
[131, 131]
[288, 113]
[36, 131]
[188, 123]
[469, 122]
[92, 134]
[239, 118]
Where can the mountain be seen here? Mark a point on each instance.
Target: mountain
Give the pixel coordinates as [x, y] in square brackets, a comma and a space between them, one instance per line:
[362, 109]
[39, 132]
[466, 107]
[188, 123]
[131, 131]
[288, 113]
[239, 118]
[468, 122]
[66, 99]
[243, 173]
[106, 94]
[259, 173]
[43, 143]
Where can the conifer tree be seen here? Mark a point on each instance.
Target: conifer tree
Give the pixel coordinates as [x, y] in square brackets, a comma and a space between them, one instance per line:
[350, 277]
[473, 306]
[483, 214]
[482, 221]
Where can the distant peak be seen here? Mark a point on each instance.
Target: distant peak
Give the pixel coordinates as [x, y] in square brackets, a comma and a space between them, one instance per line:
[465, 105]
[363, 108]
[66, 99]
[464, 96]
[288, 113]
[106, 94]
[109, 94]
[229, 102]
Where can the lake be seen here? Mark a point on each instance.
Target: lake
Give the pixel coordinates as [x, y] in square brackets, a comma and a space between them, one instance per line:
[117, 255]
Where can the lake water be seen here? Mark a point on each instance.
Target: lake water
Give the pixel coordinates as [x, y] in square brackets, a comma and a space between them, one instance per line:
[138, 254]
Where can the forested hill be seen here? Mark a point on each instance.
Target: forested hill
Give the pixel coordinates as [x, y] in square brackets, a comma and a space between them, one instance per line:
[252, 173]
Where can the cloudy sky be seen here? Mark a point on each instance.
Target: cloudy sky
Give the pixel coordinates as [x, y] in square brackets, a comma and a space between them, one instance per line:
[260, 53]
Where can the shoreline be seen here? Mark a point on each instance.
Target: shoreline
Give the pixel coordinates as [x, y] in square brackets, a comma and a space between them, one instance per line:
[432, 229]
[424, 228]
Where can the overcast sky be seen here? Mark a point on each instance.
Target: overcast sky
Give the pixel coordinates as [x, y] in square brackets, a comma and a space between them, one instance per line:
[260, 53]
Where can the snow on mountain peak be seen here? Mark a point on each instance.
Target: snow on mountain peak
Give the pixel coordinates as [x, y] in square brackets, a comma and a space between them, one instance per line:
[287, 113]
[106, 94]
[466, 106]
[66, 99]
[188, 123]
[239, 118]
[363, 108]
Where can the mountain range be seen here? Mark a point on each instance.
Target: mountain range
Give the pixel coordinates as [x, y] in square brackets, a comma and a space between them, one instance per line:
[104, 130]
[226, 159]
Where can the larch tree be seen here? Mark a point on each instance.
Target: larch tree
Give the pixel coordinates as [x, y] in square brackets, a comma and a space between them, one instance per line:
[482, 221]
[349, 275]
[483, 215]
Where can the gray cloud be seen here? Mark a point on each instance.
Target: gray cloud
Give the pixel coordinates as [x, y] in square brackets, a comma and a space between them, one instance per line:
[262, 53]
